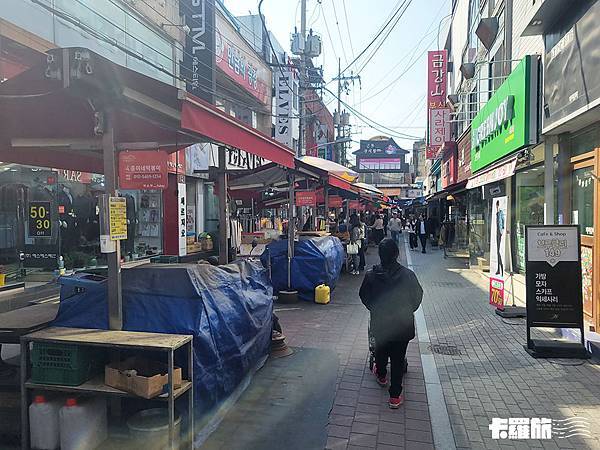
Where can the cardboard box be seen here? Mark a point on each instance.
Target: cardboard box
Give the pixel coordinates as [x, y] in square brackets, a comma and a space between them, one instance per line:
[140, 376]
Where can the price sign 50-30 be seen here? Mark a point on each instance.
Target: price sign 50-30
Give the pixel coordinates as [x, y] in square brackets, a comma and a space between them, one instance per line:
[40, 221]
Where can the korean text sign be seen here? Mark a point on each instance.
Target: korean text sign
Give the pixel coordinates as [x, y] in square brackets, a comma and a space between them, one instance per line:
[143, 170]
[437, 86]
[306, 198]
[553, 277]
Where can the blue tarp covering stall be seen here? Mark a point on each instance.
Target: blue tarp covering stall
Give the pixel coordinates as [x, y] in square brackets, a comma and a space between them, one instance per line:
[316, 261]
[228, 310]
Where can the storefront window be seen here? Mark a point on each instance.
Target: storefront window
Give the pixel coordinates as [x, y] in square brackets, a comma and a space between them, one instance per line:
[585, 141]
[528, 210]
[144, 224]
[479, 218]
[211, 209]
[582, 211]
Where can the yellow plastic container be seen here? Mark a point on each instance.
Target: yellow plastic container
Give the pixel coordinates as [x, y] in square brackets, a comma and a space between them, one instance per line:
[2, 279]
[322, 294]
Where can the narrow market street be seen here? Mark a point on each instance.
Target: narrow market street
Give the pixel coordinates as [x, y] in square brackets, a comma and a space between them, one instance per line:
[477, 371]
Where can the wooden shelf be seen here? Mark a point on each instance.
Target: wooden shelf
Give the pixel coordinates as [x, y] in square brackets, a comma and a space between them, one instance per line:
[108, 338]
[96, 386]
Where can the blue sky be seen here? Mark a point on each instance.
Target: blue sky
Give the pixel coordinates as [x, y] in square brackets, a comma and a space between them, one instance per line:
[402, 55]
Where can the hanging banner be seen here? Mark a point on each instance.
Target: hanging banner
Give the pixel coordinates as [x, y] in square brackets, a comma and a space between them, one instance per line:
[306, 198]
[143, 170]
[498, 247]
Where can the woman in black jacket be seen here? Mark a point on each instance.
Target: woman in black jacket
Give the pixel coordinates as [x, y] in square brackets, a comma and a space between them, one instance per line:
[391, 293]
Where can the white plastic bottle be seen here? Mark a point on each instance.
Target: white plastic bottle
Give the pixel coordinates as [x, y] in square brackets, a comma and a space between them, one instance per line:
[43, 423]
[83, 424]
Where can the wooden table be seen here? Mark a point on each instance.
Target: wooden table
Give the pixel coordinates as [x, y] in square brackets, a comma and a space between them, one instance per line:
[130, 340]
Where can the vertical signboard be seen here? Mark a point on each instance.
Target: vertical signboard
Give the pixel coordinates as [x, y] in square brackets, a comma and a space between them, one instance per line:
[498, 250]
[437, 85]
[182, 220]
[197, 66]
[439, 131]
[553, 285]
[283, 99]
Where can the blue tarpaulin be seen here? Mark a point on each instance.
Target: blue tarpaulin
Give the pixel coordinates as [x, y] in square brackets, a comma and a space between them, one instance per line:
[316, 261]
[228, 310]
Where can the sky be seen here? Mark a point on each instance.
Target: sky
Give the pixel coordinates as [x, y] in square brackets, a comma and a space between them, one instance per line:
[401, 104]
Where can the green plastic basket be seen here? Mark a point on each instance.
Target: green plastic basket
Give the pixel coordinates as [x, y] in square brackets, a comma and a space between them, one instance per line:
[69, 365]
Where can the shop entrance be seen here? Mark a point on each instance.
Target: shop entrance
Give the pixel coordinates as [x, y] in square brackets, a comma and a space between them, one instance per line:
[584, 212]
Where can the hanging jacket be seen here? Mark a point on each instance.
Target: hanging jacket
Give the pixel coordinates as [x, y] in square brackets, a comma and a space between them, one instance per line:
[392, 295]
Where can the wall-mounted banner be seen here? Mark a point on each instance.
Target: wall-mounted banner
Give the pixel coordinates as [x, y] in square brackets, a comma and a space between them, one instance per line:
[354, 204]
[239, 61]
[197, 66]
[498, 241]
[439, 131]
[553, 282]
[306, 198]
[143, 169]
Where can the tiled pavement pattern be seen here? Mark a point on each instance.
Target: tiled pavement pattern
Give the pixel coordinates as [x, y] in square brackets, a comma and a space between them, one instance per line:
[494, 376]
[360, 417]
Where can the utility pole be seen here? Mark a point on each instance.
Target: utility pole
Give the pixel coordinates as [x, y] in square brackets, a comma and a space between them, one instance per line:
[302, 85]
[341, 132]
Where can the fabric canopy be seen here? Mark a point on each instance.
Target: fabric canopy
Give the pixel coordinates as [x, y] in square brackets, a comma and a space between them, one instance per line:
[368, 188]
[205, 119]
[332, 167]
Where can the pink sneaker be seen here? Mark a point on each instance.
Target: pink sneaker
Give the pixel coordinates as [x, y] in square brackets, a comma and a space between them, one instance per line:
[381, 381]
[395, 402]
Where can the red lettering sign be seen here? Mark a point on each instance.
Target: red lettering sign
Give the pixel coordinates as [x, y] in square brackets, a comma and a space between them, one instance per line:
[335, 201]
[497, 293]
[143, 169]
[306, 198]
[176, 162]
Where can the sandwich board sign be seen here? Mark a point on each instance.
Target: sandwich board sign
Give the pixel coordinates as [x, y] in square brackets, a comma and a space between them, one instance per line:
[553, 288]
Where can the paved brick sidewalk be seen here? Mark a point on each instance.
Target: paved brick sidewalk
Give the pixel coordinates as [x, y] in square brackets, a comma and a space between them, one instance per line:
[493, 376]
[360, 417]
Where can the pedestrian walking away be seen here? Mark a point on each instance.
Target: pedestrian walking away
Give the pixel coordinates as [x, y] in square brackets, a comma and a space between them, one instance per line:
[395, 226]
[391, 293]
[422, 232]
[355, 239]
[378, 230]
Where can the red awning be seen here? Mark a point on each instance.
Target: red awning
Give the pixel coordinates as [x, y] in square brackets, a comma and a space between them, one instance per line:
[342, 184]
[203, 118]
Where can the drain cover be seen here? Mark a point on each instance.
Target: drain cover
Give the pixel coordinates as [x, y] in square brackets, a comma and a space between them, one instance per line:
[445, 349]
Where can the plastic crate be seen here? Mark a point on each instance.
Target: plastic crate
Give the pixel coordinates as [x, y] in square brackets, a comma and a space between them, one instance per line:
[69, 365]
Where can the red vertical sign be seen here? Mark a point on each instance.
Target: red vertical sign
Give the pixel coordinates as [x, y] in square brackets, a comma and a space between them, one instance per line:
[437, 86]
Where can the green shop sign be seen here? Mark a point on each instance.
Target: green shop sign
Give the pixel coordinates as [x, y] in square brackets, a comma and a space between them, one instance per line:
[508, 121]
